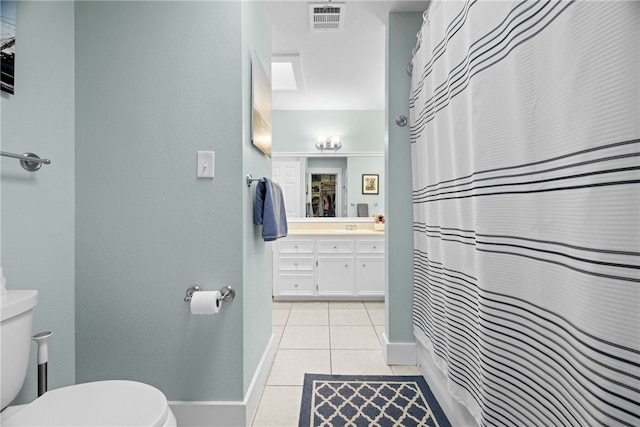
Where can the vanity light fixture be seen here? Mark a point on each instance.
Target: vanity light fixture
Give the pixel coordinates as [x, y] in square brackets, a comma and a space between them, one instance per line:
[332, 143]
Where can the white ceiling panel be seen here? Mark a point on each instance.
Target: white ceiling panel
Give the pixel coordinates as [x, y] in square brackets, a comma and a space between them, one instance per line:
[343, 70]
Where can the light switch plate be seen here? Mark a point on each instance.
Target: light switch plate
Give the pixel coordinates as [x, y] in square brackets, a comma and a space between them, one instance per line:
[205, 164]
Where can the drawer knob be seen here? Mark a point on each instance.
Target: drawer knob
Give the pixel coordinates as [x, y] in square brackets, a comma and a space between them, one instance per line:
[295, 263]
[335, 247]
[374, 247]
[295, 285]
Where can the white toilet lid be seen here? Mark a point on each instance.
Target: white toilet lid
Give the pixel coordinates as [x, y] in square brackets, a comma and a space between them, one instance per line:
[102, 403]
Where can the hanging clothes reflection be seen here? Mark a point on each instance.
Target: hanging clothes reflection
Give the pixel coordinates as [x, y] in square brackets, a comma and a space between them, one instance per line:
[323, 195]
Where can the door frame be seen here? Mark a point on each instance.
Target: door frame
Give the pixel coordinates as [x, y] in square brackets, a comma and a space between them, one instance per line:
[339, 172]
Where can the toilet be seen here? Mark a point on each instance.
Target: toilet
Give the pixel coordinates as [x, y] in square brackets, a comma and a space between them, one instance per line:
[100, 403]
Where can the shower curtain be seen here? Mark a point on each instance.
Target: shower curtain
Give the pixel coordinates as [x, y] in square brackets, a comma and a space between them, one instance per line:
[526, 195]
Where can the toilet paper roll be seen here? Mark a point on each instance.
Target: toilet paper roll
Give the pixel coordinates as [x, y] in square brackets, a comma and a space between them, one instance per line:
[205, 302]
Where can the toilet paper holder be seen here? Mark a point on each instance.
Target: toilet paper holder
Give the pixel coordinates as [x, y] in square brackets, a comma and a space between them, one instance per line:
[226, 293]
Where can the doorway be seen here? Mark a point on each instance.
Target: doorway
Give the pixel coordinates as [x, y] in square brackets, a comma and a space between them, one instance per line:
[324, 193]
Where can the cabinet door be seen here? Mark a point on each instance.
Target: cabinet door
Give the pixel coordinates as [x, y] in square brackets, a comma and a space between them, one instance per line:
[335, 276]
[370, 275]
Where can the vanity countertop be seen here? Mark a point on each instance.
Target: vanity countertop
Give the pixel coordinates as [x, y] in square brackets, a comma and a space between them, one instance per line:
[333, 229]
[329, 232]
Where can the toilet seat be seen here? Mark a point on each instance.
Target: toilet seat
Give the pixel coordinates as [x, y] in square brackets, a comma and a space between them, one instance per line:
[101, 403]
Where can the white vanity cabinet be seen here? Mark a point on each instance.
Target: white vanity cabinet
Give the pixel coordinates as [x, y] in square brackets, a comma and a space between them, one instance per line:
[329, 267]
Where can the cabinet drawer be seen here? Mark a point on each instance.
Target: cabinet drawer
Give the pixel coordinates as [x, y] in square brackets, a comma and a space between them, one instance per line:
[295, 246]
[296, 284]
[335, 246]
[370, 246]
[297, 263]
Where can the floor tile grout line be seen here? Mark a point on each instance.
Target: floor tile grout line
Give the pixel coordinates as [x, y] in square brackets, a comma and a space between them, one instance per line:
[330, 347]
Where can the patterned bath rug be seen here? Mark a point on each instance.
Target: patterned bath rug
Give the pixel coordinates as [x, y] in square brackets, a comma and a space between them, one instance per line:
[365, 400]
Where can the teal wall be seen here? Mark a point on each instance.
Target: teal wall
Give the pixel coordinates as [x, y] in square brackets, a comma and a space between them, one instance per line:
[119, 225]
[357, 167]
[327, 162]
[401, 39]
[37, 209]
[151, 92]
[257, 255]
[298, 130]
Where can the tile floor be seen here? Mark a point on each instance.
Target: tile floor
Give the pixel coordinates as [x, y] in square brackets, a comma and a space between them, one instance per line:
[322, 338]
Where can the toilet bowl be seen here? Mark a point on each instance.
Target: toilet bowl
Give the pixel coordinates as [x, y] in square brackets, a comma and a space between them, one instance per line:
[100, 403]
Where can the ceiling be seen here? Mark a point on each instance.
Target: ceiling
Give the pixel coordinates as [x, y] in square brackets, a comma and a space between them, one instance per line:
[341, 70]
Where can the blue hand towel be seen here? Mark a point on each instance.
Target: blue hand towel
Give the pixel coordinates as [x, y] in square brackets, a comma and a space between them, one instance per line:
[269, 210]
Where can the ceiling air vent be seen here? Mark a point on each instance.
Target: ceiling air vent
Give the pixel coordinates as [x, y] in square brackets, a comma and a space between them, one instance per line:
[326, 16]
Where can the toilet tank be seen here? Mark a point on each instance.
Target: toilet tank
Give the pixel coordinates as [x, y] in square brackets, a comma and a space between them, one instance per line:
[15, 331]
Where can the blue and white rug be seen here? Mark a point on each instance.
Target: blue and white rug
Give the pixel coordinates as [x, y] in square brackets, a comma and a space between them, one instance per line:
[363, 400]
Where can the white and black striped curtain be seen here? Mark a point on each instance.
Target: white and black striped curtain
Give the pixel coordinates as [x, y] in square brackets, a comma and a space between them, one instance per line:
[526, 177]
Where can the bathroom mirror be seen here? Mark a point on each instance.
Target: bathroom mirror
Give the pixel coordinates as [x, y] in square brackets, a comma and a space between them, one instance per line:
[295, 174]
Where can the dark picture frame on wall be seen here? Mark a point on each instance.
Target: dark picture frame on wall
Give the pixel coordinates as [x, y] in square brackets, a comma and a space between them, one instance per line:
[8, 41]
[370, 183]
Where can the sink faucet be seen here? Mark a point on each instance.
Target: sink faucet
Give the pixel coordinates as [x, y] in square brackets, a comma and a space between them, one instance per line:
[351, 227]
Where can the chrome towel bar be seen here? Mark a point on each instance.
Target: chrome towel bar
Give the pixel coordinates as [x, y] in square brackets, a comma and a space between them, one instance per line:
[250, 179]
[29, 161]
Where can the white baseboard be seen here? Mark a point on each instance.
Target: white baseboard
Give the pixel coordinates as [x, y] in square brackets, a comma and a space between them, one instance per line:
[403, 353]
[231, 413]
[213, 413]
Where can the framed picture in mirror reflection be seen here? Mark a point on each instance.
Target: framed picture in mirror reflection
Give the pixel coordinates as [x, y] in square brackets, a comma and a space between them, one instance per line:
[370, 183]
